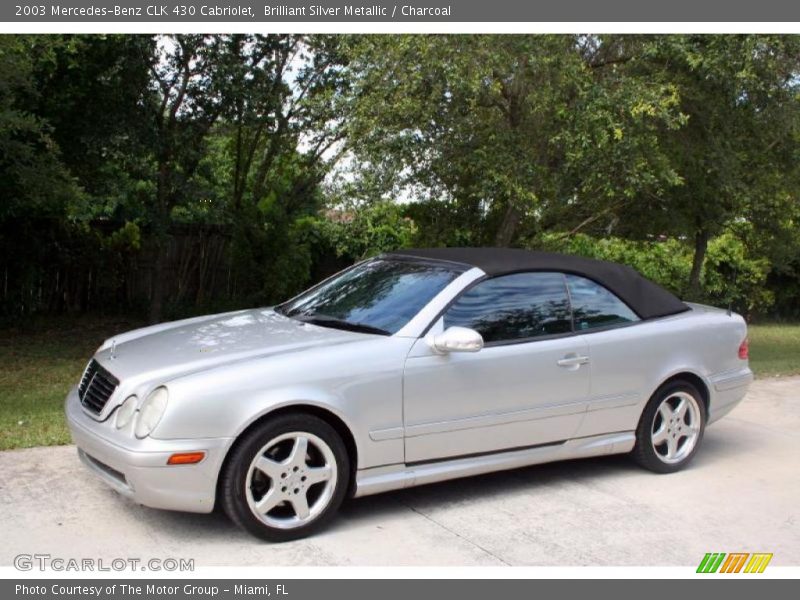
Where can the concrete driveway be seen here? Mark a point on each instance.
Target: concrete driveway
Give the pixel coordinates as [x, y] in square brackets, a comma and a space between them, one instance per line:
[742, 493]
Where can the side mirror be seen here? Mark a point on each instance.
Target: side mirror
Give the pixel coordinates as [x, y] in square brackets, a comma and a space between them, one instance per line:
[457, 339]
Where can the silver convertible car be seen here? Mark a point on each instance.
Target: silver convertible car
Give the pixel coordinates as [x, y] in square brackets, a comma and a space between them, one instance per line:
[409, 368]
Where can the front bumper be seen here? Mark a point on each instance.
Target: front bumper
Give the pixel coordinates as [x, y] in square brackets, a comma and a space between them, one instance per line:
[138, 469]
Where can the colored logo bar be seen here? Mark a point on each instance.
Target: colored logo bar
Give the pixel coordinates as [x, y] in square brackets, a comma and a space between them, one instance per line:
[734, 562]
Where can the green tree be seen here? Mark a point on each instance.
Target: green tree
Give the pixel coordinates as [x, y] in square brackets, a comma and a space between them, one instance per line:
[737, 153]
[34, 181]
[278, 140]
[90, 94]
[191, 89]
[35, 187]
[512, 126]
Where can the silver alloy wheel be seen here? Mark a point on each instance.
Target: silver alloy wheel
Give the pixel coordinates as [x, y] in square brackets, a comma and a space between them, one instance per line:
[291, 480]
[676, 427]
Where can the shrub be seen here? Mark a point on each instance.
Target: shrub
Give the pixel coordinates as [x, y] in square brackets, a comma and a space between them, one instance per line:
[363, 232]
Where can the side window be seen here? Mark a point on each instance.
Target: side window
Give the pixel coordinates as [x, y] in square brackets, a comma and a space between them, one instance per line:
[514, 307]
[594, 306]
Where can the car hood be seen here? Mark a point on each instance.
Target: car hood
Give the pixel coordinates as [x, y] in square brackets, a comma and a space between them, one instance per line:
[169, 350]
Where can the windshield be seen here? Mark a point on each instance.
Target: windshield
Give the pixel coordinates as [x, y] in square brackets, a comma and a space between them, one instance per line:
[376, 296]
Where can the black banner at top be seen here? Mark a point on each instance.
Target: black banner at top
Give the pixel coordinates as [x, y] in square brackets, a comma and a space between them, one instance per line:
[261, 11]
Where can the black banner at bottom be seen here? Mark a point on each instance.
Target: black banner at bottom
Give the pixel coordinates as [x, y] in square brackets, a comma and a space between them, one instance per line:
[383, 589]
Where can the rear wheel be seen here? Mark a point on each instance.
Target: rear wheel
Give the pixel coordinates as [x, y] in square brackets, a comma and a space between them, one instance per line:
[671, 428]
[286, 478]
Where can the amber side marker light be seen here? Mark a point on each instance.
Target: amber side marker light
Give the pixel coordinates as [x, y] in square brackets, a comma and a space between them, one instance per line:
[186, 458]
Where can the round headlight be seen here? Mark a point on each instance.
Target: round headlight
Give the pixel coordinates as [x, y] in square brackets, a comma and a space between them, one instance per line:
[126, 411]
[151, 411]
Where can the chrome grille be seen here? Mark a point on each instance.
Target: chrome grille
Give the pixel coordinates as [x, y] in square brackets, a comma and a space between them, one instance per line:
[96, 387]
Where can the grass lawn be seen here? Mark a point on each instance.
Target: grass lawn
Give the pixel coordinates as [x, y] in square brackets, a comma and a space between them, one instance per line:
[39, 365]
[775, 349]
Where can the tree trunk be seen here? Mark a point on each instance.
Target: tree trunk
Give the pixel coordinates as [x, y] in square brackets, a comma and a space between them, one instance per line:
[157, 287]
[701, 238]
[161, 232]
[508, 227]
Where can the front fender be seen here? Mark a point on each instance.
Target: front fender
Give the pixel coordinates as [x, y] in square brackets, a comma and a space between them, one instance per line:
[361, 385]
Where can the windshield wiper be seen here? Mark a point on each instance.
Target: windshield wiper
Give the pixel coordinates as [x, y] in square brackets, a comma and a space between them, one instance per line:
[328, 321]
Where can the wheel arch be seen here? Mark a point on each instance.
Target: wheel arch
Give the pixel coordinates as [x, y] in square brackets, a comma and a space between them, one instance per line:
[325, 414]
[694, 379]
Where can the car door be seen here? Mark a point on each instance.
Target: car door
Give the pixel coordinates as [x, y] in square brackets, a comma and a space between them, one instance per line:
[622, 352]
[528, 386]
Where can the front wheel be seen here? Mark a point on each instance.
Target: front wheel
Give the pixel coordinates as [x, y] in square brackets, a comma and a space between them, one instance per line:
[671, 428]
[286, 478]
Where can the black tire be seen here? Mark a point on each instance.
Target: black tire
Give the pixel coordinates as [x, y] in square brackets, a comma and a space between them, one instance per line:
[233, 479]
[644, 452]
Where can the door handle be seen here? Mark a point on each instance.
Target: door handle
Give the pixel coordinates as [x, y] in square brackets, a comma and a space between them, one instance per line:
[573, 360]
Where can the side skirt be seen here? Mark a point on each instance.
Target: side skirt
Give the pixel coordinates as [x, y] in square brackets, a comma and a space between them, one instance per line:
[395, 477]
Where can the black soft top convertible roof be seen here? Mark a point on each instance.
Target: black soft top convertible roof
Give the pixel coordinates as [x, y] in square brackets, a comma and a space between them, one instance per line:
[646, 298]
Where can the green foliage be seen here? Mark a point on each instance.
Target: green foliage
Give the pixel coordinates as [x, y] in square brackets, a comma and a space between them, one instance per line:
[120, 142]
[732, 276]
[185, 173]
[90, 93]
[510, 125]
[508, 138]
[34, 181]
[358, 233]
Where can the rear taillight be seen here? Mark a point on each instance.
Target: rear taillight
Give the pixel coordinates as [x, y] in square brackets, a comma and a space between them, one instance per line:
[744, 349]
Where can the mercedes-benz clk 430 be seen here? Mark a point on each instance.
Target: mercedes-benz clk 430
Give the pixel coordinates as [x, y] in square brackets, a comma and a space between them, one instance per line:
[409, 368]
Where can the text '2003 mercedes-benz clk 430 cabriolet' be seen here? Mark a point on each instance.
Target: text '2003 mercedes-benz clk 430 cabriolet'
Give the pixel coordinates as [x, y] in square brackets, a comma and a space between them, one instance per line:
[409, 368]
